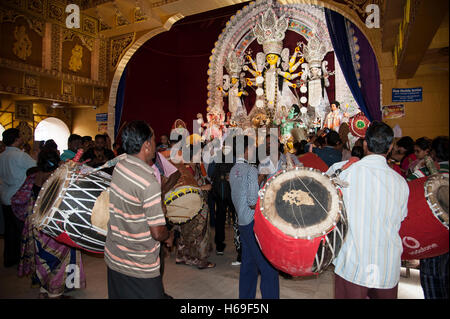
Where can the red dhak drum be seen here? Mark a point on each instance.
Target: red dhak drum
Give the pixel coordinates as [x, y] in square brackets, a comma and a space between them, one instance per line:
[358, 125]
[424, 232]
[300, 221]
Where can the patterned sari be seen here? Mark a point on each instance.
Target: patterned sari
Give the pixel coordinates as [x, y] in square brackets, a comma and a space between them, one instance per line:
[53, 266]
[194, 245]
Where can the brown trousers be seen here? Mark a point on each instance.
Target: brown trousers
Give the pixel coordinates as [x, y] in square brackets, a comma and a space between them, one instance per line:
[344, 289]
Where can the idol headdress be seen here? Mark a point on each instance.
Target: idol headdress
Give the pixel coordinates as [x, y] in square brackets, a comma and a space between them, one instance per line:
[314, 52]
[234, 65]
[270, 32]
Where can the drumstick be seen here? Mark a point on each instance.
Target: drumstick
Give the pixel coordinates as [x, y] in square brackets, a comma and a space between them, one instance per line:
[108, 164]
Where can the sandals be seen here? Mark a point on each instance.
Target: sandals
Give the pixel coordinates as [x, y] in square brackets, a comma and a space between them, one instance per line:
[44, 295]
[200, 265]
[206, 264]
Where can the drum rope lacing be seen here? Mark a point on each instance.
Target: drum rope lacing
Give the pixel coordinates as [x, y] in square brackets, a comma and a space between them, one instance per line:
[72, 186]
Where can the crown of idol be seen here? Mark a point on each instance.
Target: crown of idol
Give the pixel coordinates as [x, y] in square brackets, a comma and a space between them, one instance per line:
[234, 65]
[270, 31]
[314, 52]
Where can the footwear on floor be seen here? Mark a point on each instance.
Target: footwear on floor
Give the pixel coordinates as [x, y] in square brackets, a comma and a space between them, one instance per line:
[235, 263]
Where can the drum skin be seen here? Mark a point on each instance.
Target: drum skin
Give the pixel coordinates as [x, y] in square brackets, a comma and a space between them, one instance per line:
[293, 256]
[184, 201]
[422, 234]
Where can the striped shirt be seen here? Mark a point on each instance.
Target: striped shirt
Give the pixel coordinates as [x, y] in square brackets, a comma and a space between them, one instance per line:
[376, 204]
[134, 206]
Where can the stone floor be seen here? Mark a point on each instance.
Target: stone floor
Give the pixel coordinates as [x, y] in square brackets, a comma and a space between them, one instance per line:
[186, 282]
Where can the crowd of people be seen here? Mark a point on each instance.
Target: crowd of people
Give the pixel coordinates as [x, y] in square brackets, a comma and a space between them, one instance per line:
[377, 169]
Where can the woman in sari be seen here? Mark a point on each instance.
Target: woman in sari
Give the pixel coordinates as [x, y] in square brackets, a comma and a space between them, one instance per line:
[194, 244]
[54, 267]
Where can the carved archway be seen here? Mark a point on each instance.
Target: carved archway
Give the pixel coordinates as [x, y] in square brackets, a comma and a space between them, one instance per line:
[342, 9]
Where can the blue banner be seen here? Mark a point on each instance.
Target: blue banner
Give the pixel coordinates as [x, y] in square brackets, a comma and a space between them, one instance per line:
[407, 95]
[101, 117]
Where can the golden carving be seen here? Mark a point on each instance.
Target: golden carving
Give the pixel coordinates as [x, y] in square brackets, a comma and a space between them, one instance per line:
[22, 47]
[118, 47]
[76, 62]
[25, 131]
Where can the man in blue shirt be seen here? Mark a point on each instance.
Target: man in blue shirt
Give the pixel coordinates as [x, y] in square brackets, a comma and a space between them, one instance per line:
[244, 193]
[74, 142]
[329, 154]
[14, 164]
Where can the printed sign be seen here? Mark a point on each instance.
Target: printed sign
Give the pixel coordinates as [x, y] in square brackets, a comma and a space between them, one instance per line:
[101, 117]
[393, 111]
[407, 95]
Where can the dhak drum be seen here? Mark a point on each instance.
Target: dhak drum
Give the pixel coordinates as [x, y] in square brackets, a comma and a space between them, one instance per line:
[72, 207]
[358, 125]
[424, 231]
[300, 221]
[185, 199]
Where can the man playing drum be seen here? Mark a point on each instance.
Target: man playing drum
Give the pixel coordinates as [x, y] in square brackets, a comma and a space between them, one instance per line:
[244, 193]
[434, 272]
[137, 224]
[368, 264]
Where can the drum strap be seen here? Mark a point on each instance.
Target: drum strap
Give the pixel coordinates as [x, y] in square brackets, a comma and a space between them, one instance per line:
[350, 162]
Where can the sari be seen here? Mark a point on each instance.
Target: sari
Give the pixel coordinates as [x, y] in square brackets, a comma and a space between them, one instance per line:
[52, 266]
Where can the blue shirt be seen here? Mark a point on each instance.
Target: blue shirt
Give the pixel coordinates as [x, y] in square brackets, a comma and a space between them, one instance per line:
[67, 155]
[244, 190]
[328, 154]
[14, 164]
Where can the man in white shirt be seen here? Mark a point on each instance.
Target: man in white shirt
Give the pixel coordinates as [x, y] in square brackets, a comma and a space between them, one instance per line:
[368, 264]
[14, 164]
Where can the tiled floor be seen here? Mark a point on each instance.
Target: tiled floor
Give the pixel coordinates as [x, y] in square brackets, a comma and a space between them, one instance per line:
[186, 282]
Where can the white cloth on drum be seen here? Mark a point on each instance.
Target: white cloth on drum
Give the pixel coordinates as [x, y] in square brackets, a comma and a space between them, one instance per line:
[376, 203]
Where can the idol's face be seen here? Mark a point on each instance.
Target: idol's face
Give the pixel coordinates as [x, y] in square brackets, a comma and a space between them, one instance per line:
[272, 59]
[234, 80]
[333, 107]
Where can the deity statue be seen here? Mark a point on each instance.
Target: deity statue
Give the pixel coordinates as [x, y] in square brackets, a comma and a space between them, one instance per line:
[315, 73]
[335, 117]
[234, 88]
[75, 62]
[289, 123]
[215, 124]
[273, 80]
[22, 47]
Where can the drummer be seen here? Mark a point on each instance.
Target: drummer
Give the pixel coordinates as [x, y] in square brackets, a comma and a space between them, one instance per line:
[434, 272]
[134, 217]
[244, 193]
[368, 264]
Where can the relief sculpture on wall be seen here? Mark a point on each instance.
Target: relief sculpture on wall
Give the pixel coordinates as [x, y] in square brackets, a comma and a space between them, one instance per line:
[22, 47]
[75, 62]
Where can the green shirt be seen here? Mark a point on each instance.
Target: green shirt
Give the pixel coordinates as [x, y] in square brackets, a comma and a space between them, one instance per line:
[443, 168]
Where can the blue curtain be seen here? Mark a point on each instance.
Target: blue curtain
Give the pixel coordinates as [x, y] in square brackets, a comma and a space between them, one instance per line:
[338, 33]
[120, 97]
